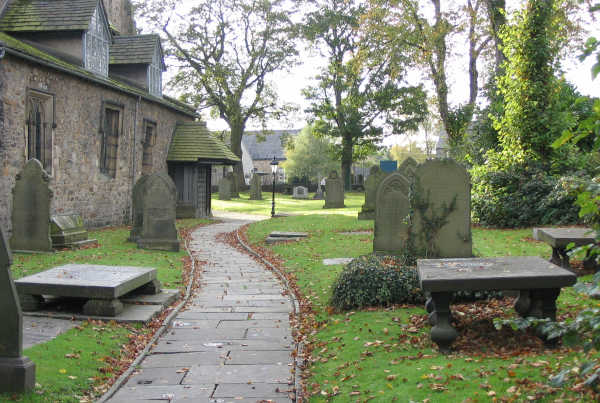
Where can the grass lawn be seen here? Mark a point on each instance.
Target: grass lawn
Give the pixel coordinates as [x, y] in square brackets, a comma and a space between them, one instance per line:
[386, 355]
[86, 356]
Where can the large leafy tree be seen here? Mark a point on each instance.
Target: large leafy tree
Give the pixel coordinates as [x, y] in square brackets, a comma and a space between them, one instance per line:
[360, 90]
[228, 49]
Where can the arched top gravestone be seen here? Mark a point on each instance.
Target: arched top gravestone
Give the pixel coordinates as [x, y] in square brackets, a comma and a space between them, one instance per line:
[31, 209]
[334, 191]
[408, 167]
[392, 215]
[17, 373]
[255, 187]
[442, 194]
[300, 192]
[226, 187]
[158, 198]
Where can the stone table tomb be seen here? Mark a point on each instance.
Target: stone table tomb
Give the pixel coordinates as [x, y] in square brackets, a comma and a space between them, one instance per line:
[560, 238]
[100, 286]
[538, 282]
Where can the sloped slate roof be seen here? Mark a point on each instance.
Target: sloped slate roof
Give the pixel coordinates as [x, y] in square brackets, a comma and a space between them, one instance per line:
[271, 146]
[134, 49]
[26, 51]
[193, 142]
[47, 15]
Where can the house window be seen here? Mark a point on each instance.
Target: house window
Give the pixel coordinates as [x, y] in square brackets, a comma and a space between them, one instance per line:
[40, 117]
[96, 44]
[149, 141]
[155, 75]
[110, 140]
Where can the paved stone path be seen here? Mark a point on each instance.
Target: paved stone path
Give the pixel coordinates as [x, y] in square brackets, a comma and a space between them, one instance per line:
[233, 343]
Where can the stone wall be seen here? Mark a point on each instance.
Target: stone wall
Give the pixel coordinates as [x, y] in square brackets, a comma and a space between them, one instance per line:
[78, 185]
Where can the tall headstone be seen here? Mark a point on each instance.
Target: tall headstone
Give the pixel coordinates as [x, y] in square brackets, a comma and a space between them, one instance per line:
[138, 214]
[300, 192]
[392, 215]
[158, 201]
[226, 187]
[255, 187]
[334, 191]
[31, 209]
[442, 195]
[375, 177]
[17, 373]
[408, 167]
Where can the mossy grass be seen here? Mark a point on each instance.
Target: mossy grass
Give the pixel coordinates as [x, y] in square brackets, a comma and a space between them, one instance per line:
[377, 355]
[84, 357]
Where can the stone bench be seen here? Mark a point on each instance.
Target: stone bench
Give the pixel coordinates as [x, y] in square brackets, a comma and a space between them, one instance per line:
[560, 238]
[100, 286]
[537, 281]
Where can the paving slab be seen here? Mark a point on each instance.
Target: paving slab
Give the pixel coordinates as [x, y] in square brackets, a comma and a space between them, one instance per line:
[156, 377]
[165, 297]
[166, 393]
[218, 374]
[174, 346]
[272, 390]
[204, 334]
[131, 314]
[263, 323]
[195, 324]
[183, 360]
[192, 315]
[280, 308]
[337, 260]
[268, 332]
[241, 357]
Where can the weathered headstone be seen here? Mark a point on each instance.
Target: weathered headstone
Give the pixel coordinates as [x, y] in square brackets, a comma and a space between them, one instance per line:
[68, 231]
[31, 209]
[17, 373]
[255, 187]
[442, 195]
[375, 177]
[319, 193]
[300, 192]
[158, 203]
[392, 210]
[226, 187]
[408, 167]
[136, 204]
[334, 191]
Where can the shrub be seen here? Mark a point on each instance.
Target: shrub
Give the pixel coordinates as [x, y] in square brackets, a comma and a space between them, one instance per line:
[522, 196]
[376, 281]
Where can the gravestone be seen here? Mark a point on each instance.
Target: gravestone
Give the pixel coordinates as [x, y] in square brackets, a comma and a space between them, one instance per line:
[367, 211]
[17, 373]
[226, 187]
[67, 231]
[158, 203]
[31, 210]
[442, 193]
[334, 191]
[408, 167]
[137, 211]
[300, 192]
[319, 193]
[392, 210]
[255, 187]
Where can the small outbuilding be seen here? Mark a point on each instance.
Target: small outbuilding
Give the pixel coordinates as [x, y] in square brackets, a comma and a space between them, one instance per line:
[191, 155]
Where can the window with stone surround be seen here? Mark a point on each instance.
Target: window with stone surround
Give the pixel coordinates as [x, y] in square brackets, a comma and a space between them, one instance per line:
[40, 121]
[96, 44]
[110, 130]
[148, 143]
[155, 75]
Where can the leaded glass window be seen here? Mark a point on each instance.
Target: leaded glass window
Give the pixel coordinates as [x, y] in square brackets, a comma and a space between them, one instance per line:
[96, 44]
[155, 75]
[149, 141]
[39, 128]
[110, 141]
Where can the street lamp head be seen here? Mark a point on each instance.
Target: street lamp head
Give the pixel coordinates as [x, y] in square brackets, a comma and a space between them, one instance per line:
[274, 165]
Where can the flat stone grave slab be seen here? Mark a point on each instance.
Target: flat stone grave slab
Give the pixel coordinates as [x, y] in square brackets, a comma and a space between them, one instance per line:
[538, 282]
[356, 233]
[284, 234]
[165, 297]
[337, 260]
[37, 330]
[131, 313]
[100, 285]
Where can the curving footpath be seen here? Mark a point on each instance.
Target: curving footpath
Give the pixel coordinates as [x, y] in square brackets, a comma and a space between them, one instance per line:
[233, 343]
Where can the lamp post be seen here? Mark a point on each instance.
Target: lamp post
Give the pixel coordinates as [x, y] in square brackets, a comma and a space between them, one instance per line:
[274, 165]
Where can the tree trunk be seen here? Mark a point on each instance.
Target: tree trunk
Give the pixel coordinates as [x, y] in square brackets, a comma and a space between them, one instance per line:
[438, 66]
[497, 17]
[347, 161]
[237, 131]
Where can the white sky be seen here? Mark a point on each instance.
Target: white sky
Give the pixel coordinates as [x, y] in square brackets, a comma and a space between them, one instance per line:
[290, 84]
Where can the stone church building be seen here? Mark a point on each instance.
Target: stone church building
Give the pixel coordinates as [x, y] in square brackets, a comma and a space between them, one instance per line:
[81, 92]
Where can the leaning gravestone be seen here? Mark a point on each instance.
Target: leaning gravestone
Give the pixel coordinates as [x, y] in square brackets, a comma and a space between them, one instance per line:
[17, 373]
[158, 202]
[442, 194]
[136, 203]
[68, 231]
[226, 187]
[334, 191]
[31, 210]
[392, 210]
[255, 187]
[300, 192]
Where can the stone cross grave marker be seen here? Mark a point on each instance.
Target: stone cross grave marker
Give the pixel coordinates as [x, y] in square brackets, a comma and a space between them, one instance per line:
[31, 210]
[442, 193]
[17, 373]
[300, 192]
[392, 211]
[226, 187]
[255, 187]
[334, 191]
[158, 204]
